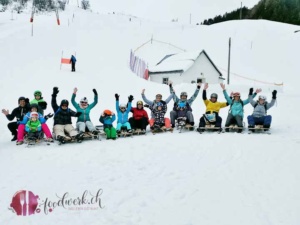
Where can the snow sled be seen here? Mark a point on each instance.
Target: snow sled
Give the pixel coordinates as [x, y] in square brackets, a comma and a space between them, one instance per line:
[258, 129]
[209, 127]
[234, 128]
[138, 132]
[157, 129]
[67, 139]
[123, 132]
[39, 138]
[182, 124]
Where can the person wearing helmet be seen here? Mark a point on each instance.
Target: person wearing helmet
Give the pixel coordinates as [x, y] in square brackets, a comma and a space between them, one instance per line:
[158, 111]
[259, 115]
[41, 118]
[18, 113]
[33, 126]
[236, 111]
[107, 118]
[139, 119]
[63, 127]
[38, 99]
[213, 107]
[183, 98]
[122, 112]
[84, 121]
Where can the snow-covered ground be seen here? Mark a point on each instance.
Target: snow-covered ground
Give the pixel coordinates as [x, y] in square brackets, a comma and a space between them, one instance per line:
[178, 179]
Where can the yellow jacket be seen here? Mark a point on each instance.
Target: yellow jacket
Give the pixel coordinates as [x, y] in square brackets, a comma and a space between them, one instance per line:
[214, 106]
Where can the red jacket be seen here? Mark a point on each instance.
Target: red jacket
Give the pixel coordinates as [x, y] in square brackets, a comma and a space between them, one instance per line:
[139, 113]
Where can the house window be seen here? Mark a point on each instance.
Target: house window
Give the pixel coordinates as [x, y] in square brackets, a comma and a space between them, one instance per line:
[165, 80]
[199, 80]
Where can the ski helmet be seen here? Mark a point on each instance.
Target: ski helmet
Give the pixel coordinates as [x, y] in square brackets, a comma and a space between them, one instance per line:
[64, 102]
[214, 95]
[183, 94]
[84, 100]
[34, 114]
[181, 105]
[107, 112]
[236, 94]
[262, 97]
[37, 93]
[20, 99]
[139, 103]
[158, 96]
[34, 106]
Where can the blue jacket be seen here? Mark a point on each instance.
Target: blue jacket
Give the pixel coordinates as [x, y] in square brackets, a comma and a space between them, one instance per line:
[73, 59]
[107, 120]
[123, 117]
[27, 117]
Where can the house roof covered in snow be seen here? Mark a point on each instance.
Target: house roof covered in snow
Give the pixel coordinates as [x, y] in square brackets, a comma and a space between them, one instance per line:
[179, 62]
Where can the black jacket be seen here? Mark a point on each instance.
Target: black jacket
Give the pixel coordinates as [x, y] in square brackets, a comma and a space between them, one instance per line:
[61, 116]
[18, 112]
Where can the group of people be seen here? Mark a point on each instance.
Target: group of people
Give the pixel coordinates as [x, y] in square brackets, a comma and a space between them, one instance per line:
[31, 120]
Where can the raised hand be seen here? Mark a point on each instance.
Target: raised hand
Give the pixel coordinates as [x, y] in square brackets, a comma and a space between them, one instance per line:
[130, 98]
[170, 83]
[117, 97]
[251, 91]
[205, 86]
[222, 86]
[95, 91]
[143, 91]
[55, 90]
[199, 85]
[75, 90]
[258, 90]
[274, 93]
[5, 112]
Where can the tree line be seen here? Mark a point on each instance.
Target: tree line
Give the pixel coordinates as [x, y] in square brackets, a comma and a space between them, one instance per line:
[285, 11]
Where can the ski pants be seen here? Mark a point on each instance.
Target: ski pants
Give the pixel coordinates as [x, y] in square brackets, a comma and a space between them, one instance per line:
[138, 124]
[62, 130]
[110, 132]
[264, 120]
[127, 125]
[73, 66]
[167, 122]
[22, 132]
[13, 127]
[189, 116]
[218, 122]
[238, 120]
[81, 126]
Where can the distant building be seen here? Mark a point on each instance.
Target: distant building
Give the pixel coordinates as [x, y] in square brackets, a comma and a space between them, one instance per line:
[186, 67]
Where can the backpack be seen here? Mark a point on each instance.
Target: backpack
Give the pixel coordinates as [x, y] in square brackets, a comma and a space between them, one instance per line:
[265, 105]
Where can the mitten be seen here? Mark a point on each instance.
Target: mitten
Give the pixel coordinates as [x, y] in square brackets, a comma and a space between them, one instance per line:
[55, 90]
[78, 114]
[117, 97]
[95, 92]
[48, 116]
[130, 98]
[251, 91]
[274, 93]
[146, 105]
[43, 105]
[27, 100]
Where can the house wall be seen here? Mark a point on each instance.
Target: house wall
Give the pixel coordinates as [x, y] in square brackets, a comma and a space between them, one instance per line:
[158, 78]
[202, 68]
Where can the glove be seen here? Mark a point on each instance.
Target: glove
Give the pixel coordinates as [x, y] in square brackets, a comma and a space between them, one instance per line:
[95, 92]
[146, 105]
[274, 93]
[27, 100]
[78, 114]
[48, 116]
[117, 97]
[43, 105]
[170, 85]
[55, 90]
[251, 91]
[130, 98]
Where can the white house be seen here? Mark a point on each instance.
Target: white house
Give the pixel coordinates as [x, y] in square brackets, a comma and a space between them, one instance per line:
[186, 67]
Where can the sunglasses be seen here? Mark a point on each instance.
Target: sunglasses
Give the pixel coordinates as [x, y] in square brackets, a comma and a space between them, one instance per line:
[38, 93]
[83, 102]
[64, 106]
[122, 108]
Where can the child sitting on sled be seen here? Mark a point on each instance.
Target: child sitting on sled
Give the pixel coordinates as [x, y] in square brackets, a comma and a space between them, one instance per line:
[107, 118]
[33, 127]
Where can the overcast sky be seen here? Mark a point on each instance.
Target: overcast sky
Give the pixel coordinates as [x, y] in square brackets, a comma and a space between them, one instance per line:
[166, 10]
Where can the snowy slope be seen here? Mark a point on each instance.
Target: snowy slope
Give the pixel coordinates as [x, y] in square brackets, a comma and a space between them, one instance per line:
[174, 178]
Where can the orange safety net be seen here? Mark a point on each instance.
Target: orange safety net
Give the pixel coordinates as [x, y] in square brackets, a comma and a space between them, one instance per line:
[65, 61]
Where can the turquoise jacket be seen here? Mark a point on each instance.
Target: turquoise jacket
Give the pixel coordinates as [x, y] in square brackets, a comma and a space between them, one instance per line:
[85, 116]
[123, 117]
[237, 108]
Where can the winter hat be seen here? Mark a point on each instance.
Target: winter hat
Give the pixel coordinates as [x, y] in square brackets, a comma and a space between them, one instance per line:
[183, 94]
[122, 105]
[236, 94]
[34, 114]
[84, 100]
[262, 97]
[139, 103]
[107, 112]
[34, 106]
[64, 102]
[20, 99]
[37, 93]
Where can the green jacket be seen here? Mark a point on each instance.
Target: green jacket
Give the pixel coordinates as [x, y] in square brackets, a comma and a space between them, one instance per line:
[85, 116]
[33, 126]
